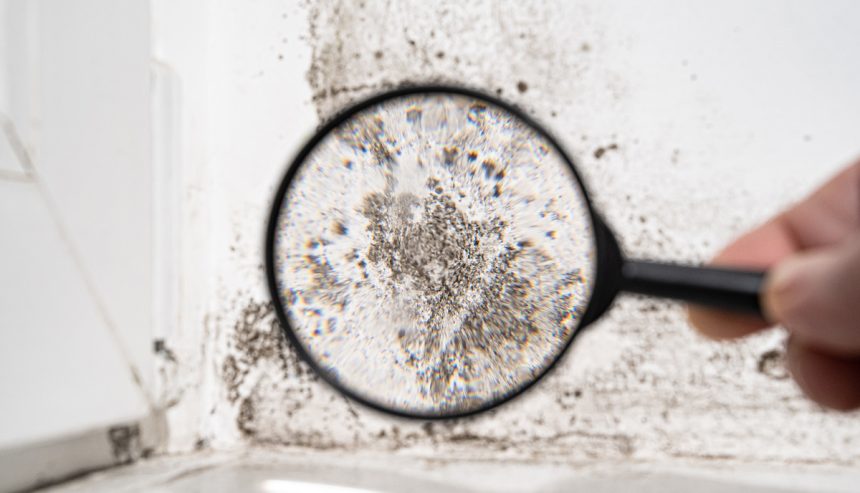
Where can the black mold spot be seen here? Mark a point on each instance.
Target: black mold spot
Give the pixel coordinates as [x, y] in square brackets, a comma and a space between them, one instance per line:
[600, 151]
[245, 420]
[160, 348]
[231, 375]
[489, 167]
[773, 364]
[125, 443]
[450, 155]
[522, 86]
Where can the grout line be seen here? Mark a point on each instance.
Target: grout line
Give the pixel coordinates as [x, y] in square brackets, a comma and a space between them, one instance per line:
[31, 172]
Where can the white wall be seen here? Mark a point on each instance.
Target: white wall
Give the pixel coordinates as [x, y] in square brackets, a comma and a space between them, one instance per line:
[722, 113]
[76, 198]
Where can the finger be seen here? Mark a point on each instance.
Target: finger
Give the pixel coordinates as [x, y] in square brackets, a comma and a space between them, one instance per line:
[829, 380]
[758, 249]
[720, 325]
[816, 296]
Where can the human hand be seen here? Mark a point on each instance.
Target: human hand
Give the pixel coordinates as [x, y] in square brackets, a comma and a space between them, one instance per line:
[812, 253]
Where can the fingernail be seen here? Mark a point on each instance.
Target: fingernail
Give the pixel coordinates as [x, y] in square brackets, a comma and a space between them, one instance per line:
[778, 285]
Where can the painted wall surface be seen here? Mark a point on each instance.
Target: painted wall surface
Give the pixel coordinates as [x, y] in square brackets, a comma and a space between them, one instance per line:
[690, 121]
[76, 199]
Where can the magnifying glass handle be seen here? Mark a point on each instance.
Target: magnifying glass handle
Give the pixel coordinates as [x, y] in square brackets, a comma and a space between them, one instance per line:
[727, 289]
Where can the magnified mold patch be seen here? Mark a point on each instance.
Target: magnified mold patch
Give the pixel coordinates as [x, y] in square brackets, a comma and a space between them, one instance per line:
[423, 257]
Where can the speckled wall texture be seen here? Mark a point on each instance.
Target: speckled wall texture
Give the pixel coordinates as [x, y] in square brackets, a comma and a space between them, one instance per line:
[690, 121]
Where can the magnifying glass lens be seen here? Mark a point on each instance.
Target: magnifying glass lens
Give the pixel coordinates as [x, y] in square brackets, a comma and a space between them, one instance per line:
[433, 253]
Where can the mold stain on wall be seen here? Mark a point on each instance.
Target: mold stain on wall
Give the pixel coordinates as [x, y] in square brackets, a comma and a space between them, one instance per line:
[280, 401]
[638, 386]
[509, 49]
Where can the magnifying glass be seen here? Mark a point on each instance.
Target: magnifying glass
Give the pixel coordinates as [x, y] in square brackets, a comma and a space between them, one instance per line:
[432, 252]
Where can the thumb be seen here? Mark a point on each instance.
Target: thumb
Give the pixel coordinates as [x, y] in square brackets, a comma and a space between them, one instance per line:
[816, 296]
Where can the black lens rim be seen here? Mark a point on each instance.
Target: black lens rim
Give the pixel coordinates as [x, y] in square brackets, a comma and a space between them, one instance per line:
[277, 208]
